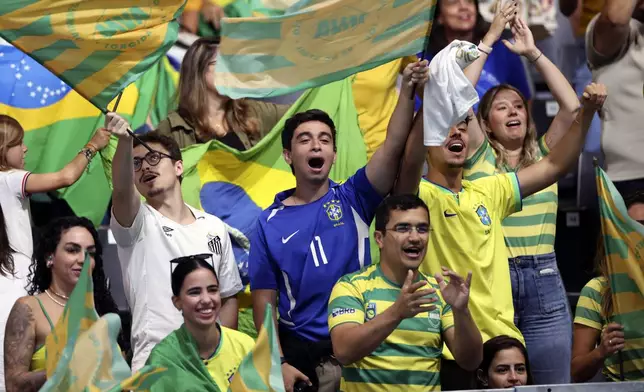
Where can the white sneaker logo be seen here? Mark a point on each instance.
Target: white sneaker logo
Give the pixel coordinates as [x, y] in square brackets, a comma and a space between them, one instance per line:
[285, 240]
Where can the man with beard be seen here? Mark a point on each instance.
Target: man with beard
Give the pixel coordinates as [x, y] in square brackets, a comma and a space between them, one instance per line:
[316, 233]
[466, 232]
[149, 234]
[388, 321]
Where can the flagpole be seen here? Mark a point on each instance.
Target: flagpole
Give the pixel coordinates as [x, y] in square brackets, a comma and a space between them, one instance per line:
[144, 144]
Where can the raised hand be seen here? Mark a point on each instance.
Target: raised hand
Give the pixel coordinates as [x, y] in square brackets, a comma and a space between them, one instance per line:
[504, 15]
[457, 292]
[411, 300]
[594, 96]
[101, 138]
[612, 340]
[416, 73]
[522, 40]
[213, 14]
[116, 125]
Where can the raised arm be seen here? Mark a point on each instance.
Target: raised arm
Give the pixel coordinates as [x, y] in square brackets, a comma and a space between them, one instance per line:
[19, 346]
[125, 198]
[411, 168]
[612, 28]
[523, 45]
[555, 165]
[473, 71]
[353, 341]
[468, 347]
[68, 175]
[382, 169]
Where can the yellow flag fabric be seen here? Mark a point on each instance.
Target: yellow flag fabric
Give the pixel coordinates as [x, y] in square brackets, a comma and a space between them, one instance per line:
[261, 370]
[82, 353]
[624, 244]
[98, 47]
[313, 45]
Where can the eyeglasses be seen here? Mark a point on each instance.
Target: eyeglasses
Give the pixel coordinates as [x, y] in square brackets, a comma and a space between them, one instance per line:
[405, 228]
[207, 257]
[152, 158]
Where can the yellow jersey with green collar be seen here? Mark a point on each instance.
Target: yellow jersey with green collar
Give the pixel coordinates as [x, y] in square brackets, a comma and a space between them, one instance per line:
[466, 235]
[409, 358]
[528, 232]
[233, 347]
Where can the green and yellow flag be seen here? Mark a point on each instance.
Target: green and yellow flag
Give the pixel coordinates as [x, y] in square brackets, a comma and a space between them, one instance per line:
[98, 47]
[316, 42]
[82, 353]
[261, 370]
[624, 243]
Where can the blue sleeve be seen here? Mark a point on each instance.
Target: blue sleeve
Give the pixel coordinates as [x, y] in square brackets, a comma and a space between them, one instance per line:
[517, 75]
[261, 268]
[361, 194]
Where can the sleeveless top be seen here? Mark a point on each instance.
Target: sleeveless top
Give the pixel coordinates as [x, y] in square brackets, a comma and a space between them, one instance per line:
[38, 358]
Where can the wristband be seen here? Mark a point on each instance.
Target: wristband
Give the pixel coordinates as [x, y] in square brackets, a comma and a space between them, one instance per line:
[484, 48]
[92, 147]
[536, 58]
[282, 360]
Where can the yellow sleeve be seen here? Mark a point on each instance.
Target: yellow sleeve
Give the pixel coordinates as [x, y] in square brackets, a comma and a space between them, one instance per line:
[425, 192]
[193, 5]
[447, 318]
[589, 306]
[504, 191]
[346, 304]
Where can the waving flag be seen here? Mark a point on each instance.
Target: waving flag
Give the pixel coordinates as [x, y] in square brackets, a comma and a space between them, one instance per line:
[261, 370]
[82, 353]
[58, 122]
[317, 42]
[624, 243]
[98, 47]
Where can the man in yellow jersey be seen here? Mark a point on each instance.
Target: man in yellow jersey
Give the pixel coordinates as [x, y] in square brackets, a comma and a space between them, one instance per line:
[466, 232]
[388, 322]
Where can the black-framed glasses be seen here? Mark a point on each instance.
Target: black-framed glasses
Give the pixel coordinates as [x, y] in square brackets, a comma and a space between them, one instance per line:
[152, 158]
[406, 228]
[207, 257]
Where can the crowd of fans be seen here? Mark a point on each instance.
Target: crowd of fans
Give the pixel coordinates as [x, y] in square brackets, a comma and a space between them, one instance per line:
[467, 291]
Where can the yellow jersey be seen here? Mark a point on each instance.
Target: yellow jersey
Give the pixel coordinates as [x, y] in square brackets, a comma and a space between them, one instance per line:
[466, 235]
[409, 358]
[233, 347]
[531, 231]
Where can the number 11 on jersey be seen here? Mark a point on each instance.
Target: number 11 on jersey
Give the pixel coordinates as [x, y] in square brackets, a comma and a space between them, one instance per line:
[320, 250]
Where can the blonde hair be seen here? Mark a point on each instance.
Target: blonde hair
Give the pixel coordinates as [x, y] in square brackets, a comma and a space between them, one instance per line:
[192, 94]
[530, 151]
[11, 135]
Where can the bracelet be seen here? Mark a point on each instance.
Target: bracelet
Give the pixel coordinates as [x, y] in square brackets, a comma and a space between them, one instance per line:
[537, 58]
[484, 48]
[282, 360]
[87, 153]
[92, 147]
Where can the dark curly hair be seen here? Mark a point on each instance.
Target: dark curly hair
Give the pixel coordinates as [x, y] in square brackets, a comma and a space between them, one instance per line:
[6, 252]
[40, 276]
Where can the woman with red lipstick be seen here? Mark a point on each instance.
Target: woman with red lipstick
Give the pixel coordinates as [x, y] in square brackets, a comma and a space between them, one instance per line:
[202, 355]
[506, 142]
[58, 261]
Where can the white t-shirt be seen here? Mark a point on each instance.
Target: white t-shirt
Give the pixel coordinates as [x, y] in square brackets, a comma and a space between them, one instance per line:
[145, 250]
[15, 206]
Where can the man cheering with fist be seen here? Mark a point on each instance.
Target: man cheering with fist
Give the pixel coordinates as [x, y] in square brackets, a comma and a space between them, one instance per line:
[388, 321]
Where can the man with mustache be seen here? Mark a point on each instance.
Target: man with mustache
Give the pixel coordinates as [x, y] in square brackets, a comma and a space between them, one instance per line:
[151, 233]
[466, 232]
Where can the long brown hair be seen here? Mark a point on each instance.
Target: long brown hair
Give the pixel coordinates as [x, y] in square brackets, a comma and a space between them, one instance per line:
[530, 152]
[192, 94]
[6, 252]
[11, 135]
[602, 269]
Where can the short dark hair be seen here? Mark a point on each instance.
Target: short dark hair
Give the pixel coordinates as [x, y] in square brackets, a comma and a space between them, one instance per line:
[185, 265]
[300, 118]
[500, 343]
[167, 142]
[398, 203]
[635, 197]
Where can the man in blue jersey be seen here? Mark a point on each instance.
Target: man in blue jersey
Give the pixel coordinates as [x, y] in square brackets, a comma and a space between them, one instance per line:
[316, 233]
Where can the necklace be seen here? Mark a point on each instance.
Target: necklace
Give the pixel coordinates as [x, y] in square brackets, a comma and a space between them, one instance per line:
[58, 294]
[53, 299]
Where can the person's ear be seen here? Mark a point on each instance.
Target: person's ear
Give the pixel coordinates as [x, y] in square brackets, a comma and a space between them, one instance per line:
[379, 236]
[481, 377]
[287, 156]
[176, 301]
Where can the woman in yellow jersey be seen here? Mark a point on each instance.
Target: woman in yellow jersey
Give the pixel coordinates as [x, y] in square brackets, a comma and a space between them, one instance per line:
[202, 355]
[596, 339]
[58, 261]
[203, 114]
[508, 143]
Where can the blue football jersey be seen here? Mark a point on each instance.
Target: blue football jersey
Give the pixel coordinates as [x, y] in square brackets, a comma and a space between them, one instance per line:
[301, 251]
